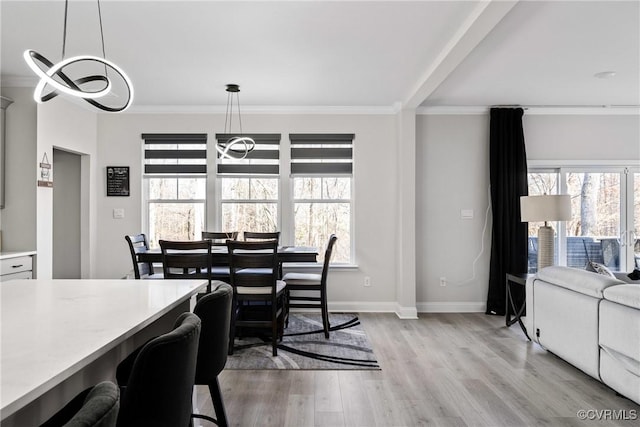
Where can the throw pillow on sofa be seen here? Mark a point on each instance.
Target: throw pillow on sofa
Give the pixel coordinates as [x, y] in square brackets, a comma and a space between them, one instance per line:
[599, 268]
[635, 274]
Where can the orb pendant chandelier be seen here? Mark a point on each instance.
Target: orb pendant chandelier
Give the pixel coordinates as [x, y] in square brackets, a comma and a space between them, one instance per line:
[56, 78]
[239, 146]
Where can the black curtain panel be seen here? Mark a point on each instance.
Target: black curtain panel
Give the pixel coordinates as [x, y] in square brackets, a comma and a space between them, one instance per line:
[508, 177]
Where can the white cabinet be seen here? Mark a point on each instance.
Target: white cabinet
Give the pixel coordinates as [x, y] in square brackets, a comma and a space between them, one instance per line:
[16, 265]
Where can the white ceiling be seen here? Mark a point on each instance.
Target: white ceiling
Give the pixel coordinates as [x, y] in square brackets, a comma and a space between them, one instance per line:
[344, 54]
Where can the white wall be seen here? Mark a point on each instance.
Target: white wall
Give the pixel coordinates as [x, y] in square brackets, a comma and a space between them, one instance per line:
[18, 218]
[64, 125]
[119, 144]
[453, 174]
[587, 137]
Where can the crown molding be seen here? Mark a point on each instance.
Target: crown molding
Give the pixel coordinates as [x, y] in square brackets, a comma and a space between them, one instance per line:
[205, 109]
[575, 110]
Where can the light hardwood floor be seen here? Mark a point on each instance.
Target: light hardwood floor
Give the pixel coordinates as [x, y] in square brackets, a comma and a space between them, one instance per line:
[441, 370]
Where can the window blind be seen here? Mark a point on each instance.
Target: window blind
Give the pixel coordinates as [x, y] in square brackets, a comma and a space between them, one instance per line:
[264, 159]
[323, 154]
[175, 153]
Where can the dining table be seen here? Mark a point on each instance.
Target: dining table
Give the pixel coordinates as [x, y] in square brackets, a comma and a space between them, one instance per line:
[220, 255]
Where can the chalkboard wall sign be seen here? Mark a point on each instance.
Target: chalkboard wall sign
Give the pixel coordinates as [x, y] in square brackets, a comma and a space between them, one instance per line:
[118, 181]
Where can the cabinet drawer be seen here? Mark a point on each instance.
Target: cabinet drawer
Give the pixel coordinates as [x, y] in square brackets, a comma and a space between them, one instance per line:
[13, 276]
[16, 265]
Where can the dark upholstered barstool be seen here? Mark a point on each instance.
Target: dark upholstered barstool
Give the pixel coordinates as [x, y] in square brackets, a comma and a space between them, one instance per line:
[214, 310]
[156, 380]
[95, 407]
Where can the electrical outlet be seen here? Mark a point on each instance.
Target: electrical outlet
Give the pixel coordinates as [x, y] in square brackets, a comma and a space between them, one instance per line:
[118, 213]
[367, 281]
[443, 281]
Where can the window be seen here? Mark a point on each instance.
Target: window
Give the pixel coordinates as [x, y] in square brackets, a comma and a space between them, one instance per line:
[321, 169]
[249, 188]
[605, 216]
[174, 186]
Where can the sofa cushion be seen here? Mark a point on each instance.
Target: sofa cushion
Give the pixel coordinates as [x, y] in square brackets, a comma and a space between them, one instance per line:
[628, 295]
[616, 371]
[582, 281]
[620, 275]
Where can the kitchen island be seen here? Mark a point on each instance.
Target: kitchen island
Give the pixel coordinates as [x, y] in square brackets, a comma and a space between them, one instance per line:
[62, 336]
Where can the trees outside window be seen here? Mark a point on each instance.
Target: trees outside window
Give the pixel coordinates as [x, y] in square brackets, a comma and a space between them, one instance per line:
[176, 208]
[605, 215]
[322, 206]
[249, 204]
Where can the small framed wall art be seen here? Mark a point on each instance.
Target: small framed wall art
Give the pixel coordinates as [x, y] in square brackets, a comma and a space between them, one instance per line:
[118, 181]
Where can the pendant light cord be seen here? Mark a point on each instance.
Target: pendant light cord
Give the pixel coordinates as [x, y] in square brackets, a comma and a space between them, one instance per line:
[64, 32]
[227, 113]
[104, 54]
[239, 116]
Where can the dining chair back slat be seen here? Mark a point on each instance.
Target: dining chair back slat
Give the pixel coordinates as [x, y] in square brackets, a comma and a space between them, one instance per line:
[252, 236]
[187, 260]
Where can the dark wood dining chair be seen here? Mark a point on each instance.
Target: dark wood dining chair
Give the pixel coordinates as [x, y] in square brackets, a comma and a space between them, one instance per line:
[219, 238]
[259, 236]
[252, 236]
[312, 282]
[141, 270]
[254, 277]
[187, 260]
[220, 268]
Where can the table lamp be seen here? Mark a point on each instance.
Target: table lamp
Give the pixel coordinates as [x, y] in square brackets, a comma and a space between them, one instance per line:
[555, 207]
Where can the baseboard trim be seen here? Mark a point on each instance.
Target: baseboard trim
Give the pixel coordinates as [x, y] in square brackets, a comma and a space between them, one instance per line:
[452, 307]
[407, 312]
[363, 307]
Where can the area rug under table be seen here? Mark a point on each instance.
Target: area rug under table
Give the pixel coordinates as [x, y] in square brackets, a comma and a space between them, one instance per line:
[305, 347]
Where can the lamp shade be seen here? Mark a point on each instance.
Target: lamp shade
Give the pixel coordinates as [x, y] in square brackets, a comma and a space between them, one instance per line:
[553, 207]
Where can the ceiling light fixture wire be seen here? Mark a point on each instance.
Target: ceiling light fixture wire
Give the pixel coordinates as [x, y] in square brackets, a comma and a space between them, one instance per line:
[54, 74]
[234, 147]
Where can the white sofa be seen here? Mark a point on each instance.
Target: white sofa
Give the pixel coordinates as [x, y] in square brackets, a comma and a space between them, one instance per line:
[590, 320]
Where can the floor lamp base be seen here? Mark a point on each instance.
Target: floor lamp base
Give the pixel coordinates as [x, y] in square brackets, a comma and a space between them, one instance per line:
[545, 246]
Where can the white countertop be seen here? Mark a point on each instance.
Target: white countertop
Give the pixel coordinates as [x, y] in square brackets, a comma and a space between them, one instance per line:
[51, 329]
[7, 255]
